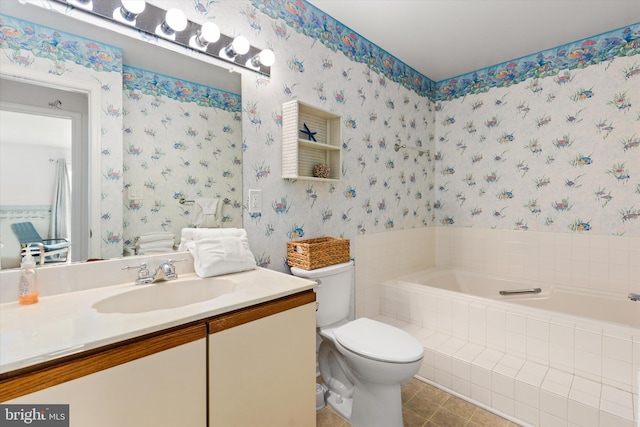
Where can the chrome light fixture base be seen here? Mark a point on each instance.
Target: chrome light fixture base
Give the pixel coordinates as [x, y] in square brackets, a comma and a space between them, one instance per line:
[153, 21]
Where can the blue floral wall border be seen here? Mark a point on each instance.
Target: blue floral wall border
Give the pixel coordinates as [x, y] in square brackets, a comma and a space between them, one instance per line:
[45, 42]
[580, 54]
[314, 23]
[152, 83]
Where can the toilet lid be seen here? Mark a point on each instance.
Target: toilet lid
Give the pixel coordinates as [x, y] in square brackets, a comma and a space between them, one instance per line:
[379, 341]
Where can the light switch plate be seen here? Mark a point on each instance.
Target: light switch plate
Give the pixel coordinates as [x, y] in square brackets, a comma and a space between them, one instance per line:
[255, 201]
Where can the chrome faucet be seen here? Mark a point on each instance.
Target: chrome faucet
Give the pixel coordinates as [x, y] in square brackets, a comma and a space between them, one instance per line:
[165, 271]
[634, 297]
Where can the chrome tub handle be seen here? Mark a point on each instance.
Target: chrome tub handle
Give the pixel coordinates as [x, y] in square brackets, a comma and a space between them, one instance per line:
[521, 291]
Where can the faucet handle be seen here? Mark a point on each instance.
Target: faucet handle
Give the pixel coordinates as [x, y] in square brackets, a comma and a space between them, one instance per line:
[142, 266]
[143, 273]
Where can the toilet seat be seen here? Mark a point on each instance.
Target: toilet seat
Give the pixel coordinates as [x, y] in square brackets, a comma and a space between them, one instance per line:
[379, 341]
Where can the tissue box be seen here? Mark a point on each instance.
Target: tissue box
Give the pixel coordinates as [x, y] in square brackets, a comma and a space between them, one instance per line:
[315, 253]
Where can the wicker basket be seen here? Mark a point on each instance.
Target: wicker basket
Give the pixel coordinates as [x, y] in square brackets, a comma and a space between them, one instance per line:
[315, 253]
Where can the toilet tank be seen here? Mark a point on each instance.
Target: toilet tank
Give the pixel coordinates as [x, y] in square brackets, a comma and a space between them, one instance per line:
[333, 294]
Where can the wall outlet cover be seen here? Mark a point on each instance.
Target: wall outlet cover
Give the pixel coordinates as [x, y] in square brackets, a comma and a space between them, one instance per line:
[255, 201]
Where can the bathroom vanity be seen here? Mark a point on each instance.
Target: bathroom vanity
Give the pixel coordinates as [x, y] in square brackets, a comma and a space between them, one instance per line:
[244, 357]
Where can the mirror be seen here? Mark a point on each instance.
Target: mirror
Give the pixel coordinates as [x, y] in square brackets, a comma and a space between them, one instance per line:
[31, 155]
[164, 127]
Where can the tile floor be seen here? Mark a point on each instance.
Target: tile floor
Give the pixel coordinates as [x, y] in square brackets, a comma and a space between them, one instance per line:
[424, 405]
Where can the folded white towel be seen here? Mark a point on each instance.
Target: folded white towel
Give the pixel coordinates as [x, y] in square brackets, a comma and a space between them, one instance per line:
[212, 257]
[155, 236]
[156, 244]
[208, 213]
[191, 234]
[153, 251]
[232, 247]
[157, 233]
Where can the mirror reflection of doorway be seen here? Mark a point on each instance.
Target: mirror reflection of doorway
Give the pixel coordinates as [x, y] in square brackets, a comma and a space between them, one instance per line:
[37, 145]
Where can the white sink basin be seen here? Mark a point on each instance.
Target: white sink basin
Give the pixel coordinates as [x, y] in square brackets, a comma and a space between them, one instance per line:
[165, 295]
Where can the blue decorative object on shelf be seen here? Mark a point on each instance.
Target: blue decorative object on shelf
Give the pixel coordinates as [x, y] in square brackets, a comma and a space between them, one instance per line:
[308, 132]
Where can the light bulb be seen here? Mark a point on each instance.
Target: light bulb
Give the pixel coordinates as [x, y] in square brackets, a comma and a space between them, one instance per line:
[266, 57]
[129, 11]
[209, 33]
[240, 45]
[175, 20]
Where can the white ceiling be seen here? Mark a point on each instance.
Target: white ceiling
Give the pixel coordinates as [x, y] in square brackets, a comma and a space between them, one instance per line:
[18, 128]
[447, 38]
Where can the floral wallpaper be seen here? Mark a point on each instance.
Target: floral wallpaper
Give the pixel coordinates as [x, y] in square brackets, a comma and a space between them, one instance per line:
[537, 143]
[498, 125]
[181, 140]
[70, 57]
[381, 189]
[559, 153]
[323, 63]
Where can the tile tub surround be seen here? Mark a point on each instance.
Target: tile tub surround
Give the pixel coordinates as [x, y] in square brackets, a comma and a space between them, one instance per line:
[384, 256]
[598, 262]
[527, 365]
[603, 263]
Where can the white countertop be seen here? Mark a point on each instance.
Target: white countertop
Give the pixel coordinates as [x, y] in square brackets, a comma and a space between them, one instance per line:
[66, 323]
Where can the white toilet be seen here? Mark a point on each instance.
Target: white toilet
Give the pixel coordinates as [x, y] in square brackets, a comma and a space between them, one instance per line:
[362, 362]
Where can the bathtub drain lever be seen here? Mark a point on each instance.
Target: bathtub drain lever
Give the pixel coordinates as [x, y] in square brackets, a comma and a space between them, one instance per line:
[521, 291]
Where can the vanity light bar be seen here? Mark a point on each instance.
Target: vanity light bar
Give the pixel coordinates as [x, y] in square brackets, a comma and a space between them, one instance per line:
[159, 22]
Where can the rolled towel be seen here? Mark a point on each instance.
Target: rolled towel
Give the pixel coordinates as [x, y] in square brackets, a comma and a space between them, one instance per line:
[208, 213]
[191, 234]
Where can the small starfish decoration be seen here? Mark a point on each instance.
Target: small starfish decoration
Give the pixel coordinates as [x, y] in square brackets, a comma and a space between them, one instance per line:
[308, 132]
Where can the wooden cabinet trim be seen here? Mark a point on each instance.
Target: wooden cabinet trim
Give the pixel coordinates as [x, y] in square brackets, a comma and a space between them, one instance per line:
[255, 312]
[48, 374]
[32, 380]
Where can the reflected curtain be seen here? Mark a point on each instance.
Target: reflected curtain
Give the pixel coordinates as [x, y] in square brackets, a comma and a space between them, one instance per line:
[60, 208]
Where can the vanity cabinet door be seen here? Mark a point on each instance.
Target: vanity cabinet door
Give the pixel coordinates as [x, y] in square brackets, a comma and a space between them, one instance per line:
[165, 388]
[262, 372]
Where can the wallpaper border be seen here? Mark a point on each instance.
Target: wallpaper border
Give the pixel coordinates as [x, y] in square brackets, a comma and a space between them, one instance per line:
[312, 22]
[152, 83]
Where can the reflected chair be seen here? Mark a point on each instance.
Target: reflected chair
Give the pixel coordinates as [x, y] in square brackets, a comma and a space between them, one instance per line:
[31, 241]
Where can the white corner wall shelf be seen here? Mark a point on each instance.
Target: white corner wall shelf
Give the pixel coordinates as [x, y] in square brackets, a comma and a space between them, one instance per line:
[300, 153]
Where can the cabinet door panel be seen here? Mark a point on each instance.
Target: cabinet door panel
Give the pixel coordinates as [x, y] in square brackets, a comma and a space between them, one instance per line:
[163, 389]
[262, 373]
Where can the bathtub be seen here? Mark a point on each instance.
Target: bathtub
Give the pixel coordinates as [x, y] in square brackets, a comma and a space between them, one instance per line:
[568, 301]
[550, 355]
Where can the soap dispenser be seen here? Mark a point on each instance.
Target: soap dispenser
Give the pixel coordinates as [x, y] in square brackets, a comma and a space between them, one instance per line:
[28, 286]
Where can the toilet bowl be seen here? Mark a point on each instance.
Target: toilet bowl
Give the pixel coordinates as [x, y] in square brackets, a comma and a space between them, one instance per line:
[362, 362]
